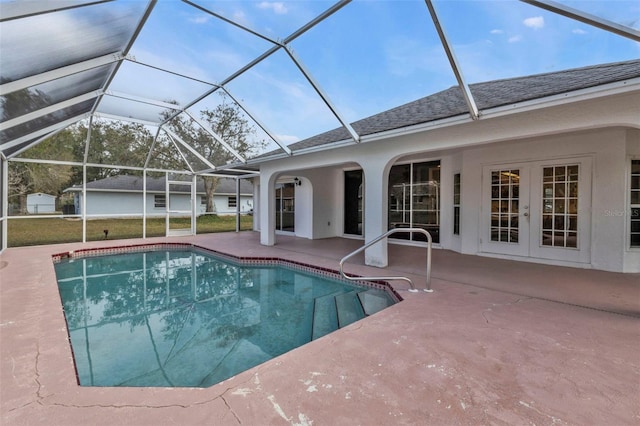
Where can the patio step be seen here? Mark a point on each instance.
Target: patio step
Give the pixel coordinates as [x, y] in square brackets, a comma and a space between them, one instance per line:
[349, 308]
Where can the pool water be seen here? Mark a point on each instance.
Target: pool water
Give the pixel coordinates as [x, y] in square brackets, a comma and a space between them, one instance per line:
[186, 318]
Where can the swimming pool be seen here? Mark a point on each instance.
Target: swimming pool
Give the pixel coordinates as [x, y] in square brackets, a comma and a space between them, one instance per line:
[183, 316]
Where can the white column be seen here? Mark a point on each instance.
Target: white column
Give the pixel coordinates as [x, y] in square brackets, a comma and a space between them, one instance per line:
[4, 170]
[267, 209]
[376, 175]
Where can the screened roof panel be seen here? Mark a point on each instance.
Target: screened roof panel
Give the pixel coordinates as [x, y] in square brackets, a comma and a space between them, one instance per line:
[46, 121]
[130, 109]
[146, 82]
[623, 12]
[52, 92]
[259, 137]
[518, 39]
[24, 145]
[276, 20]
[300, 68]
[129, 146]
[367, 71]
[278, 91]
[186, 40]
[45, 42]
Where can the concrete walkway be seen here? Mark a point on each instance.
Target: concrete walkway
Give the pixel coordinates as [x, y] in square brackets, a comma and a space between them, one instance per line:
[498, 342]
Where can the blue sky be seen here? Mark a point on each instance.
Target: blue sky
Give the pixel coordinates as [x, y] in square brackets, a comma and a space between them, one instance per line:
[368, 57]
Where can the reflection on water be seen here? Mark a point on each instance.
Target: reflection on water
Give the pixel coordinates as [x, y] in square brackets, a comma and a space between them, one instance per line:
[182, 318]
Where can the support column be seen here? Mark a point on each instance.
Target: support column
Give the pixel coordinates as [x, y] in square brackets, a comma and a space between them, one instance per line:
[4, 193]
[375, 211]
[267, 209]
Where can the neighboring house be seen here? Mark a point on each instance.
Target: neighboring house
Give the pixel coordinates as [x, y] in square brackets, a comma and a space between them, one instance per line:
[40, 203]
[549, 173]
[123, 195]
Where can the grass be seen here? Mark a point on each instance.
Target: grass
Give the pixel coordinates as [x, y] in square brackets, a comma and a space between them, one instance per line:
[55, 230]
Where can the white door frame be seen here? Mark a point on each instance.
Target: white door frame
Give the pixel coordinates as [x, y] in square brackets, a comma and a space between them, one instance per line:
[531, 212]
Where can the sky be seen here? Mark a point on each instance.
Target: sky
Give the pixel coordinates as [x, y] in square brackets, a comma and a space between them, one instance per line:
[369, 56]
[372, 55]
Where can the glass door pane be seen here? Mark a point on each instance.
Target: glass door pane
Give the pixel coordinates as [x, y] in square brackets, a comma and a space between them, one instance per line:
[425, 199]
[505, 205]
[560, 206]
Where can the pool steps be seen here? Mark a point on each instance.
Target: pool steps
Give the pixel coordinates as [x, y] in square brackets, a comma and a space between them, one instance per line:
[334, 311]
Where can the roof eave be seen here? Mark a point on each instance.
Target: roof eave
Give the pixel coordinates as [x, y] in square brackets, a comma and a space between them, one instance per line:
[595, 92]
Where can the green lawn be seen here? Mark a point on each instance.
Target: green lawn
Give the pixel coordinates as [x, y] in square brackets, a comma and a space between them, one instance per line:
[30, 232]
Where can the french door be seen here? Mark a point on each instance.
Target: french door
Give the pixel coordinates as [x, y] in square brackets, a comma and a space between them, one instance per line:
[538, 209]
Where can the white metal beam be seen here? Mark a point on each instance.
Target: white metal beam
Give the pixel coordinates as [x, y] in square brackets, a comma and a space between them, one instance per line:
[333, 9]
[466, 92]
[325, 98]
[189, 147]
[214, 135]
[42, 132]
[258, 122]
[180, 152]
[142, 100]
[586, 18]
[44, 77]
[229, 21]
[24, 9]
[151, 148]
[24, 148]
[126, 50]
[48, 110]
[123, 118]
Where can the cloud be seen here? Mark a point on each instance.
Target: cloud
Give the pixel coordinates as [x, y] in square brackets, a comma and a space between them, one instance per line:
[579, 31]
[515, 39]
[535, 22]
[277, 7]
[496, 31]
[201, 19]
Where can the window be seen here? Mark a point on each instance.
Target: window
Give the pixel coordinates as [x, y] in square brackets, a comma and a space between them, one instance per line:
[560, 206]
[160, 201]
[456, 204]
[232, 202]
[203, 200]
[634, 199]
[414, 199]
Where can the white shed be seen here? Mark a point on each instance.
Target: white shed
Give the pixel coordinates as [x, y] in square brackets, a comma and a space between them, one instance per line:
[39, 203]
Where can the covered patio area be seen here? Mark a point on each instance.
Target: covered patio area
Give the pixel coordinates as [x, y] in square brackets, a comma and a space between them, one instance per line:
[497, 342]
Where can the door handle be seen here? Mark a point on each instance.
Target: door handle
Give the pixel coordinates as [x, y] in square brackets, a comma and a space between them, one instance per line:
[526, 214]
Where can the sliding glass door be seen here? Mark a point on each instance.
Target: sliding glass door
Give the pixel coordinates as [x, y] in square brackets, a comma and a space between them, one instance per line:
[414, 199]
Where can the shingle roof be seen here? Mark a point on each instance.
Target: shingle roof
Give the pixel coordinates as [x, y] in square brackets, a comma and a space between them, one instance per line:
[450, 102]
[134, 183]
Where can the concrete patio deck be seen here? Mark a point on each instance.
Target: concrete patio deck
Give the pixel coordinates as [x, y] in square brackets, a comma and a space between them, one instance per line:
[498, 342]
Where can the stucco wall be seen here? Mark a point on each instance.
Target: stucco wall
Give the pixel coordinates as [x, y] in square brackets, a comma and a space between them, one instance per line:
[605, 147]
[596, 129]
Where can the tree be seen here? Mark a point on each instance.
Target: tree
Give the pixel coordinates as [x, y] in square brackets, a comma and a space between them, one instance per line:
[228, 122]
[40, 177]
[111, 143]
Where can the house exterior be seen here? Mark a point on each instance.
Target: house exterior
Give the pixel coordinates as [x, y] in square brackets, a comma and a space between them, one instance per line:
[40, 203]
[549, 173]
[123, 195]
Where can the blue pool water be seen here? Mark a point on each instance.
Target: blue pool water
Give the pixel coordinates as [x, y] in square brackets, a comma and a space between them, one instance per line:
[187, 318]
